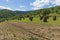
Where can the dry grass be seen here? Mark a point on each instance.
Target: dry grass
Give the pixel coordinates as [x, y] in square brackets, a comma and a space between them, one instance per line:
[20, 31]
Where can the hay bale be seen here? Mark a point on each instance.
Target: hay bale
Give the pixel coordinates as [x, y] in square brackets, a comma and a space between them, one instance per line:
[31, 18]
[45, 19]
[54, 18]
[41, 17]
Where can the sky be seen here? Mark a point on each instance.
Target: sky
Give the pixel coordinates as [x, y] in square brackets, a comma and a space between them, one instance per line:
[27, 5]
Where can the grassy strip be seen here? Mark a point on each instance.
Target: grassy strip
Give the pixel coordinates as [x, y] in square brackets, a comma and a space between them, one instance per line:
[37, 20]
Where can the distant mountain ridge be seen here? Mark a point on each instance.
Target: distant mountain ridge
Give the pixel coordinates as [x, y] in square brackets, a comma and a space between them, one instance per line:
[20, 12]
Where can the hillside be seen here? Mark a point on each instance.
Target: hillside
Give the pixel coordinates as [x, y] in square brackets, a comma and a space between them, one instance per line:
[15, 25]
[46, 11]
[11, 15]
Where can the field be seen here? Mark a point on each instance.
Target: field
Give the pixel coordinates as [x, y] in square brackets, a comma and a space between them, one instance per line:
[37, 20]
[29, 20]
[30, 30]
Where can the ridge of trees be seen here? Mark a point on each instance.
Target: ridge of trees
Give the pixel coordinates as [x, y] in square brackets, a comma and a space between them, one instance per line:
[9, 14]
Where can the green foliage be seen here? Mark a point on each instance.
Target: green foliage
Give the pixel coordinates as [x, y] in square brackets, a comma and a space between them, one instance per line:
[7, 14]
[12, 15]
[45, 11]
[58, 12]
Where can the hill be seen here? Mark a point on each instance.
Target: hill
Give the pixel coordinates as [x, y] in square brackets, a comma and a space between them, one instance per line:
[9, 14]
[17, 29]
[46, 11]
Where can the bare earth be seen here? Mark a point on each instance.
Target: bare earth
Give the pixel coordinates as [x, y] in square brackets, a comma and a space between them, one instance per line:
[29, 31]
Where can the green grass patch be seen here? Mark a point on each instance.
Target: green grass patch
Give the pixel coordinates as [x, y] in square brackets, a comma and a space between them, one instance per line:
[37, 20]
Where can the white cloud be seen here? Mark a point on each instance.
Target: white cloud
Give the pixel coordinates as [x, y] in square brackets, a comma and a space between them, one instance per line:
[21, 8]
[57, 2]
[38, 4]
[7, 0]
[3, 7]
[17, 9]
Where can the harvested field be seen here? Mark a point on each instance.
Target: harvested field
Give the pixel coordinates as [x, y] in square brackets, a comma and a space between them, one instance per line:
[28, 31]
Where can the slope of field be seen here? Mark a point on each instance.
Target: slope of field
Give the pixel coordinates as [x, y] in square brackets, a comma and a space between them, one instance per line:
[38, 21]
[28, 31]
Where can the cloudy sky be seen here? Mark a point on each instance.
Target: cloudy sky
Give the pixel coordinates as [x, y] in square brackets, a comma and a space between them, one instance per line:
[26, 5]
